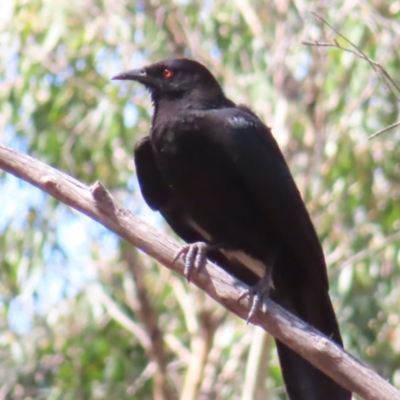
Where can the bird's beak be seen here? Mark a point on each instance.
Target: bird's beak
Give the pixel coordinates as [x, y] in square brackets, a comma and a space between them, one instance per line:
[138, 75]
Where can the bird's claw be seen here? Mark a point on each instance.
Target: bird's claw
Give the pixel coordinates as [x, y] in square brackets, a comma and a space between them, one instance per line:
[259, 294]
[194, 256]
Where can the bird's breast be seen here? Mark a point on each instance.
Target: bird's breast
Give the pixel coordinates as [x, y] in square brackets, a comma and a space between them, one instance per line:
[185, 158]
[209, 188]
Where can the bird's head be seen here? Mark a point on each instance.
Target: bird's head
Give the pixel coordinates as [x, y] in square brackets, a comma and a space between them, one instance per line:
[179, 78]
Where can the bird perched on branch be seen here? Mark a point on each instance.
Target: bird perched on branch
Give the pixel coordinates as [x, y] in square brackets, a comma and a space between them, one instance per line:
[217, 175]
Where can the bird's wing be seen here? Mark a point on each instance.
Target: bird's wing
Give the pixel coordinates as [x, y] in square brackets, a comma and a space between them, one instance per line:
[300, 278]
[257, 159]
[159, 198]
[154, 189]
[158, 195]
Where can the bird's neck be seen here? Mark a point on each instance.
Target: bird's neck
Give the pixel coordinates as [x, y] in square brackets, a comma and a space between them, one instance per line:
[171, 107]
[195, 100]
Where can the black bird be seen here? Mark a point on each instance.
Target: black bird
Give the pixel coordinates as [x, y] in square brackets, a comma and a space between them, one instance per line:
[217, 175]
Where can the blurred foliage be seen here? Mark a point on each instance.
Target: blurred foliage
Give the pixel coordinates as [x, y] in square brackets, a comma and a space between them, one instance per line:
[78, 319]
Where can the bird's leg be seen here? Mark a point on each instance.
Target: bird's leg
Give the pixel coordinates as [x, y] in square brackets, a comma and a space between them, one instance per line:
[195, 256]
[259, 293]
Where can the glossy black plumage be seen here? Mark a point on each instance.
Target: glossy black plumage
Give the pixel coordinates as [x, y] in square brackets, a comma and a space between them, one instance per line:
[216, 174]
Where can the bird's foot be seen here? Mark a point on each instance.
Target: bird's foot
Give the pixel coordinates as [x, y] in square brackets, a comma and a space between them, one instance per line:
[195, 257]
[259, 294]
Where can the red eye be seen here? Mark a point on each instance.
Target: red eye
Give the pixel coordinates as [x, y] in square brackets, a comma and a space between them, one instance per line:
[167, 73]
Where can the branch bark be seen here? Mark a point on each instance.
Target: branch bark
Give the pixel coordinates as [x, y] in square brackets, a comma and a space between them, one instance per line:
[99, 205]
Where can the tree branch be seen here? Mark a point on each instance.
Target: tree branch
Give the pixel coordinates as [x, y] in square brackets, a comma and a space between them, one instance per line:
[99, 205]
[379, 70]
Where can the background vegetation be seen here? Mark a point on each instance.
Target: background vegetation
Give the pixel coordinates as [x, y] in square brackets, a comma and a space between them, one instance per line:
[85, 316]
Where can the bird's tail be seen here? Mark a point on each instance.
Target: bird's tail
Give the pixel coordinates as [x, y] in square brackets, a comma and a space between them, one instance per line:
[312, 304]
[310, 301]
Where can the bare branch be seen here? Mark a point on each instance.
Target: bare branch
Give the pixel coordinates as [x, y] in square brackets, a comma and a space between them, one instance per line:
[146, 374]
[379, 70]
[388, 128]
[99, 205]
[116, 313]
[372, 249]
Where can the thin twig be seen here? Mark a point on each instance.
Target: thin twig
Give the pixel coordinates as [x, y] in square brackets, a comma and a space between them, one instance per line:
[388, 128]
[370, 250]
[379, 70]
[146, 374]
[116, 313]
